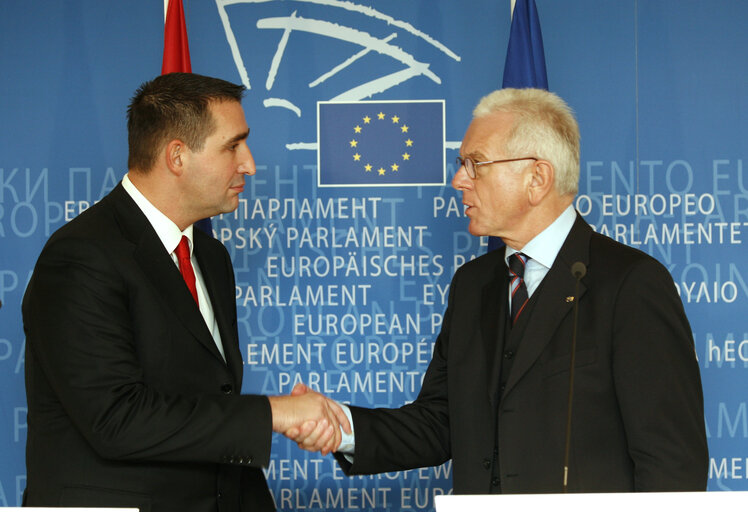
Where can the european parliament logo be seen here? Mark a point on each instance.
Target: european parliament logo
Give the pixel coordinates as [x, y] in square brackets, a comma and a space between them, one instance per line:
[380, 143]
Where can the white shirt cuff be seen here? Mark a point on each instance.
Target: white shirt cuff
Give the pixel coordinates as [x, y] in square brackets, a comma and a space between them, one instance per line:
[348, 443]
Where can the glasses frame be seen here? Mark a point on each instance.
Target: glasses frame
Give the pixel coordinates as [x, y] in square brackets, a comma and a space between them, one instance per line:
[470, 165]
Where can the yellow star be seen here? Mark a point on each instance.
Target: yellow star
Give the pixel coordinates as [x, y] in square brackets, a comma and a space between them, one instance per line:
[357, 157]
[404, 128]
[408, 142]
[406, 156]
[380, 115]
[357, 129]
[381, 171]
[353, 143]
[395, 119]
[367, 167]
[367, 119]
[395, 167]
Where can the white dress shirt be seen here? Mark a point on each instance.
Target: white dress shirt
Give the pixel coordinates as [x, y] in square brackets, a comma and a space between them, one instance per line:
[170, 235]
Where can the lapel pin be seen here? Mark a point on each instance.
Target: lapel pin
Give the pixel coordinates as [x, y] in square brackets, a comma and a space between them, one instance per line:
[570, 298]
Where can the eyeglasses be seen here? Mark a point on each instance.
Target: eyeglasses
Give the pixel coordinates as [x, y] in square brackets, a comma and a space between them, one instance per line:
[470, 165]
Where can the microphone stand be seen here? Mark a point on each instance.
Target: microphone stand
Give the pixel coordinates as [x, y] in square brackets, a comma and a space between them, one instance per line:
[578, 270]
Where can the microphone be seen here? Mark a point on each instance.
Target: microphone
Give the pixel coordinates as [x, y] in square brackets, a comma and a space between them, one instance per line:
[578, 270]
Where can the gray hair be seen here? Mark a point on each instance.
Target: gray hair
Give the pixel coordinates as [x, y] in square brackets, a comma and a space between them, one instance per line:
[544, 127]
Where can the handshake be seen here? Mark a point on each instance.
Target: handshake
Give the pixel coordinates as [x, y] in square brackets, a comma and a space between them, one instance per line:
[310, 419]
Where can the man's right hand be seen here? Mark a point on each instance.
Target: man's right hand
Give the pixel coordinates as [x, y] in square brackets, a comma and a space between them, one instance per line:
[310, 419]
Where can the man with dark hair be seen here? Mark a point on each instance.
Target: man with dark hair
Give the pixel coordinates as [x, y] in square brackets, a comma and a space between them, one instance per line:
[175, 106]
[495, 396]
[133, 368]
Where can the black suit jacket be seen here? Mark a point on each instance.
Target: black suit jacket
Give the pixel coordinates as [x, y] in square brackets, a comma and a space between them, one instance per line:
[130, 402]
[638, 420]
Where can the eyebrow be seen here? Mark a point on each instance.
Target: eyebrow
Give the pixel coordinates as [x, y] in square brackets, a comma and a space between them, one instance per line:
[237, 138]
[476, 156]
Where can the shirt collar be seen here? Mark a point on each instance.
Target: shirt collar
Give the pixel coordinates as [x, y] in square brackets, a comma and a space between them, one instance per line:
[545, 246]
[167, 231]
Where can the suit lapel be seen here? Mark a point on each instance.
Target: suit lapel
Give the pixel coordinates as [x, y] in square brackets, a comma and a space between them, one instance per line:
[552, 303]
[493, 305]
[216, 285]
[159, 268]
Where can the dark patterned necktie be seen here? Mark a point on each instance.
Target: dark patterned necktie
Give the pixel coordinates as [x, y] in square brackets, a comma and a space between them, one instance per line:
[517, 262]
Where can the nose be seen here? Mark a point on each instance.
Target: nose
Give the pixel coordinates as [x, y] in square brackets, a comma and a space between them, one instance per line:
[461, 180]
[247, 161]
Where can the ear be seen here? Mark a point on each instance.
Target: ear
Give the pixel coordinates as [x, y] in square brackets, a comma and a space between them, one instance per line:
[542, 181]
[175, 154]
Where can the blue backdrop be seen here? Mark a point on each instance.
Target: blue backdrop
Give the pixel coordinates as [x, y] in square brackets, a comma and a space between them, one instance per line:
[344, 287]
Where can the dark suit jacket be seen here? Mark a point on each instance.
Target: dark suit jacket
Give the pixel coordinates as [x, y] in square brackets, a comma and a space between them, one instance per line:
[130, 402]
[638, 421]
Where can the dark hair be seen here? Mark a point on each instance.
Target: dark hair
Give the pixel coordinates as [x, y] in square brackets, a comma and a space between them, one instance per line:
[173, 106]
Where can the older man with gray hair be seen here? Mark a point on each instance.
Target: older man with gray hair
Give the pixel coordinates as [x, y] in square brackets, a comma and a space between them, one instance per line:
[495, 398]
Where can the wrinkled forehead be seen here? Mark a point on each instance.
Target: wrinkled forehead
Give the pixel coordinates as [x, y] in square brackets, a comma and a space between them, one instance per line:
[486, 135]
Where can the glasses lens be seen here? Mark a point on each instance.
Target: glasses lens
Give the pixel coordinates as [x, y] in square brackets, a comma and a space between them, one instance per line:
[470, 168]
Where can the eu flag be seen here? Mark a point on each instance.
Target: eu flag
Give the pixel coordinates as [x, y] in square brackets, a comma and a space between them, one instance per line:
[380, 143]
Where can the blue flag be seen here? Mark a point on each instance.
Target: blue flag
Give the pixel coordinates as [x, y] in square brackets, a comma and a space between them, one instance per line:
[382, 143]
[525, 60]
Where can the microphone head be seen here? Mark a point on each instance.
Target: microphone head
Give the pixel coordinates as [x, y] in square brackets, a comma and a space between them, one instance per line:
[578, 269]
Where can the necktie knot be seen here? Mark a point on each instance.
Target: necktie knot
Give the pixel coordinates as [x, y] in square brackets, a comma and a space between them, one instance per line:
[183, 249]
[185, 266]
[517, 263]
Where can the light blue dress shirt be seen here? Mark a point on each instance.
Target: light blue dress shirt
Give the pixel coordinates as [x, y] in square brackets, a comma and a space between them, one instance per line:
[543, 249]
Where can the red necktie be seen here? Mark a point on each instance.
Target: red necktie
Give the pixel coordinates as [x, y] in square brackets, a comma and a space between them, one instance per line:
[185, 266]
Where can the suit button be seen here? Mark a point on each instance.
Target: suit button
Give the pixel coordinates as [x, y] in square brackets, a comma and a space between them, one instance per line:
[249, 460]
[486, 463]
[227, 389]
[508, 355]
[495, 482]
[502, 387]
[241, 460]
